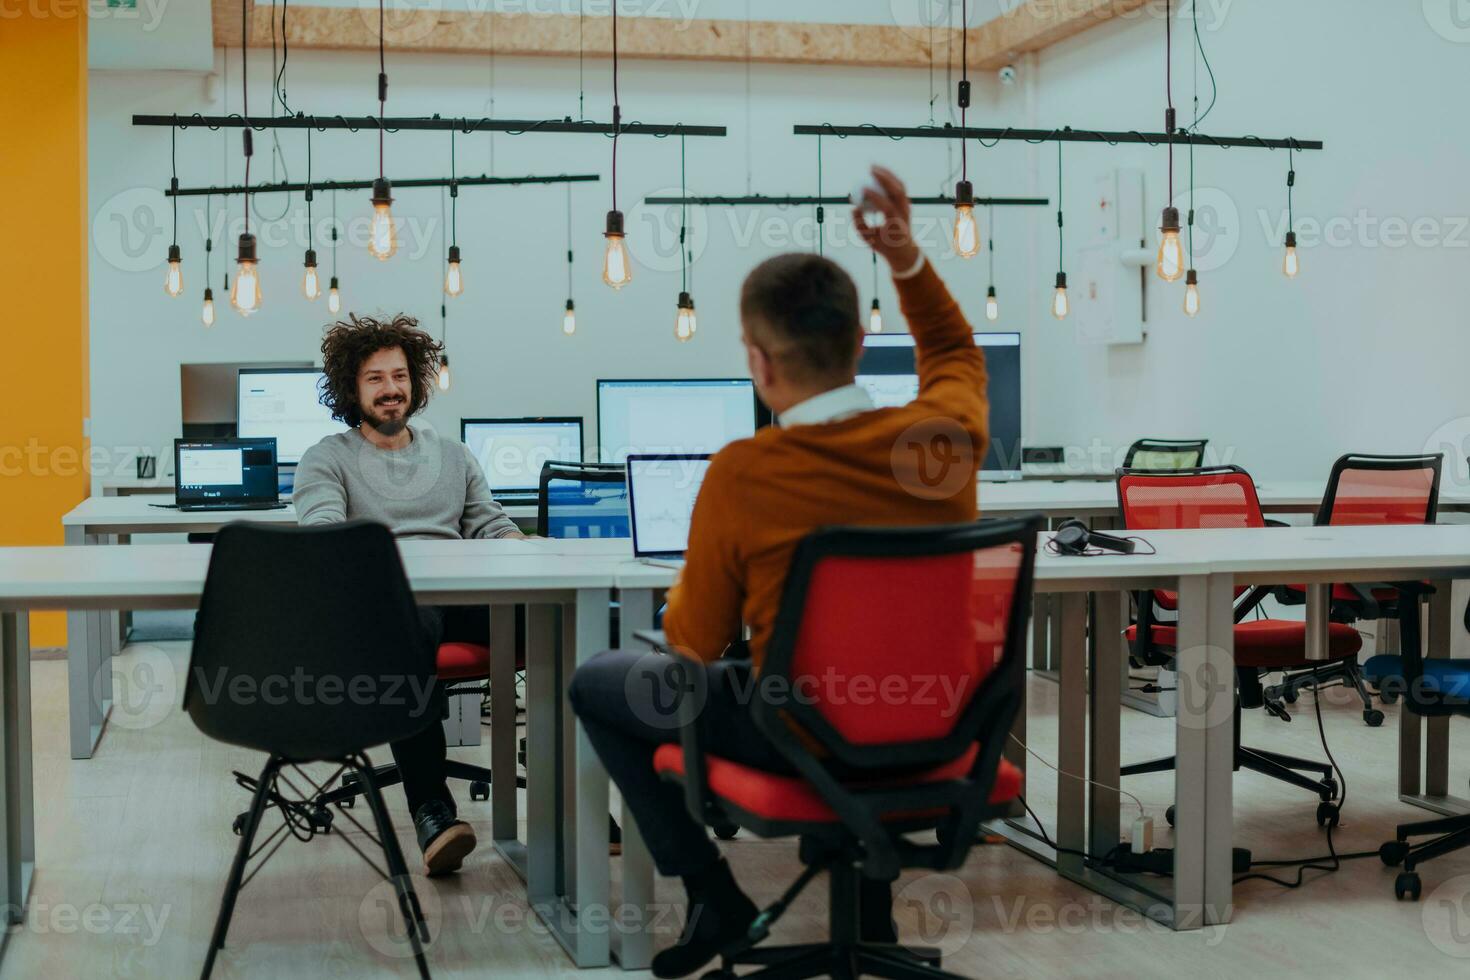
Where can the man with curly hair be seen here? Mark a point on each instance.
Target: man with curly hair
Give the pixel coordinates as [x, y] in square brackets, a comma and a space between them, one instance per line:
[379, 373]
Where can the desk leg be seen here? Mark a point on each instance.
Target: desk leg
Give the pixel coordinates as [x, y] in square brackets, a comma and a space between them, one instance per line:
[88, 666]
[1072, 730]
[17, 834]
[591, 891]
[634, 920]
[1204, 749]
[1437, 644]
[503, 817]
[1105, 711]
[542, 768]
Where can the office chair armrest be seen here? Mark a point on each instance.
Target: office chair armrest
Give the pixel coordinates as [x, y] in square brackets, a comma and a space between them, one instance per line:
[735, 674]
[1272, 522]
[1250, 601]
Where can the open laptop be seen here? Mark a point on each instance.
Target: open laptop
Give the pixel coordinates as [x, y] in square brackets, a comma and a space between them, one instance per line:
[226, 474]
[661, 494]
[511, 452]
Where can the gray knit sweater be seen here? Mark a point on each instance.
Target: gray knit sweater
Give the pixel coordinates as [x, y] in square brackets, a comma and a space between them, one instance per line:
[431, 489]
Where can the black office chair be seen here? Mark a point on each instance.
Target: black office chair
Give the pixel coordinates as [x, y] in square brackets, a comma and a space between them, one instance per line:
[582, 500]
[288, 610]
[1163, 455]
[1432, 687]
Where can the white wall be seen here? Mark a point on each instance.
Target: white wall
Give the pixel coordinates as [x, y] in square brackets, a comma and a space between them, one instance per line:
[1365, 351]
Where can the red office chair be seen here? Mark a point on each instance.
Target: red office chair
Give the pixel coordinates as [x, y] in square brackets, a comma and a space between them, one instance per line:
[1222, 497]
[910, 612]
[1366, 489]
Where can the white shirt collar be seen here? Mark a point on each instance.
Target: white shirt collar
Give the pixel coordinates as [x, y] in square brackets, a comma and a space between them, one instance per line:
[829, 406]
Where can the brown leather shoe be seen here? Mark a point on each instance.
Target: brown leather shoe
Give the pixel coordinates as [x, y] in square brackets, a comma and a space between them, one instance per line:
[445, 841]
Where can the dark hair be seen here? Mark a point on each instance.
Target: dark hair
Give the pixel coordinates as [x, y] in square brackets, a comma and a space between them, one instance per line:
[802, 309]
[350, 342]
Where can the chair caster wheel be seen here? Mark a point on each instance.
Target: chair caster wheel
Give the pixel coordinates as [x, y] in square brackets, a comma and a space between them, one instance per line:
[1327, 814]
[321, 820]
[1289, 696]
[1393, 852]
[1407, 885]
[726, 831]
[1169, 815]
[479, 790]
[238, 826]
[1373, 717]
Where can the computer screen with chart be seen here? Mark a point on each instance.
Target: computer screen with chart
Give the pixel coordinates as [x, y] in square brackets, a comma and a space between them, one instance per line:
[661, 494]
[888, 373]
[673, 416]
[284, 403]
[511, 452]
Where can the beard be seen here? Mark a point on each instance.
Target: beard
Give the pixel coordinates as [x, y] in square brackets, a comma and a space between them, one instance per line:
[389, 426]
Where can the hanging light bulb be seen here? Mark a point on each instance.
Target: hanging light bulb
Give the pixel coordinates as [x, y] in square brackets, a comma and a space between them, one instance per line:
[1289, 266]
[206, 317]
[617, 271]
[992, 308]
[245, 294]
[569, 319]
[383, 237]
[966, 233]
[311, 286]
[1059, 305]
[875, 318]
[334, 298]
[1171, 249]
[173, 278]
[1191, 293]
[443, 372]
[453, 281]
[684, 318]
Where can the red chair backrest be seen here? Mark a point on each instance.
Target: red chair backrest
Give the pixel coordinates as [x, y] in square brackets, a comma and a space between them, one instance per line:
[1382, 490]
[1214, 497]
[888, 636]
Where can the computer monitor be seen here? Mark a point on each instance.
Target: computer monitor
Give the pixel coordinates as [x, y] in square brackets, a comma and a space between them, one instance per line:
[511, 451]
[661, 493]
[224, 471]
[887, 371]
[285, 403]
[674, 416]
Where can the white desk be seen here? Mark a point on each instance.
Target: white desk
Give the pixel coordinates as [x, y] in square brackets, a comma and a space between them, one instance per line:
[564, 857]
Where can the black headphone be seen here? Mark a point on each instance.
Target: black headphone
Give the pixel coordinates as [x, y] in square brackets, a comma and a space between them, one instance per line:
[1072, 537]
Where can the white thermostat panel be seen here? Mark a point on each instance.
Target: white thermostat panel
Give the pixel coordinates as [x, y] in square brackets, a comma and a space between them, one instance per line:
[1111, 293]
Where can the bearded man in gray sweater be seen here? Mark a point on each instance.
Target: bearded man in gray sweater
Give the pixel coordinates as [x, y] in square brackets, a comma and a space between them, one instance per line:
[379, 374]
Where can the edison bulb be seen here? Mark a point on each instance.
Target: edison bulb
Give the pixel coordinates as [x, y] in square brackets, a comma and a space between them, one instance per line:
[1191, 295]
[684, 325]
[617, 271]
[1060, 306]
[334, 298]
[206, 316]
[992, 307]
[966, 234]
[1289, 266]
[245, 293]
[1171, 256]
[383, 235]
[875, 319]
[311, 286]
[569, 320]
[173, 277]
[453, 280]
[443, 374]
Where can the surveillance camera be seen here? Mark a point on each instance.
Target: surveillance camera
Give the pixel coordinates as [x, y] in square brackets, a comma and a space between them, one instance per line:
[1008, 75]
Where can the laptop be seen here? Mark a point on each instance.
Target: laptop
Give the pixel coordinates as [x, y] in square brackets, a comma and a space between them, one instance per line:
[226, 474]
[661, 494]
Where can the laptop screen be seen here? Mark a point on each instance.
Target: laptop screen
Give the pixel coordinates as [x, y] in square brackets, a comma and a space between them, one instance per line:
[661, 494]
[225, 471]
[511, 451]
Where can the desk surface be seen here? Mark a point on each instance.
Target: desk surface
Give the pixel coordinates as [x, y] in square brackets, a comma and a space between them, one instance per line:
[137, 515]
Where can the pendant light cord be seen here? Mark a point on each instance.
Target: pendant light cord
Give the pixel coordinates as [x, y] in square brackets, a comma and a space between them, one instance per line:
[965, 85]
[1169, 91]
[309, 194]
[820, 212]
[245, 100]
[453, 193]
[173, 152]
[683, 219]
[208, 234]
[443, 306]
[617, 107]
[569, 242]
[334, 233]
[581, 76]
[382, 84]
[990, 240]
[1060, 261]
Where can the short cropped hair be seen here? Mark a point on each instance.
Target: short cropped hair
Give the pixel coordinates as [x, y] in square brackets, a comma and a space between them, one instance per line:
[350, 342]
[802, 309]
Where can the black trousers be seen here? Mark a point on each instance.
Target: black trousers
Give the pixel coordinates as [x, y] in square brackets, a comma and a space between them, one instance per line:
[626, 702]
[420, 758]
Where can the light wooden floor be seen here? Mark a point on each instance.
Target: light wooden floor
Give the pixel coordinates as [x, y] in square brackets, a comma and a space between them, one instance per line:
[134, 845]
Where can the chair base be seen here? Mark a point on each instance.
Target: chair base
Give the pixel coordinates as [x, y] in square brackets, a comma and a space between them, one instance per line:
[1286, 768]
[1345, 672]
[847, 961]
[1451, 834]
[478, 777]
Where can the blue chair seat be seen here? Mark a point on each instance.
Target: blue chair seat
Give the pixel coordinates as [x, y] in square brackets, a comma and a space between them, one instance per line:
[1442, 676]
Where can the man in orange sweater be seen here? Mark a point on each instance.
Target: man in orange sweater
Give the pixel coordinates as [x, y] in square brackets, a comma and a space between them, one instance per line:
[834, 460]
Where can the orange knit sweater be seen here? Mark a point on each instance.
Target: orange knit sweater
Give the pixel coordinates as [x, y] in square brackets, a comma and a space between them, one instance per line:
[915, 464]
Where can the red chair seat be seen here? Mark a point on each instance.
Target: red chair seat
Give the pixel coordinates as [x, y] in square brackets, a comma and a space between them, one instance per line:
[1272, 644]
[463, 661]
[1345, 593]
[791, 799]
